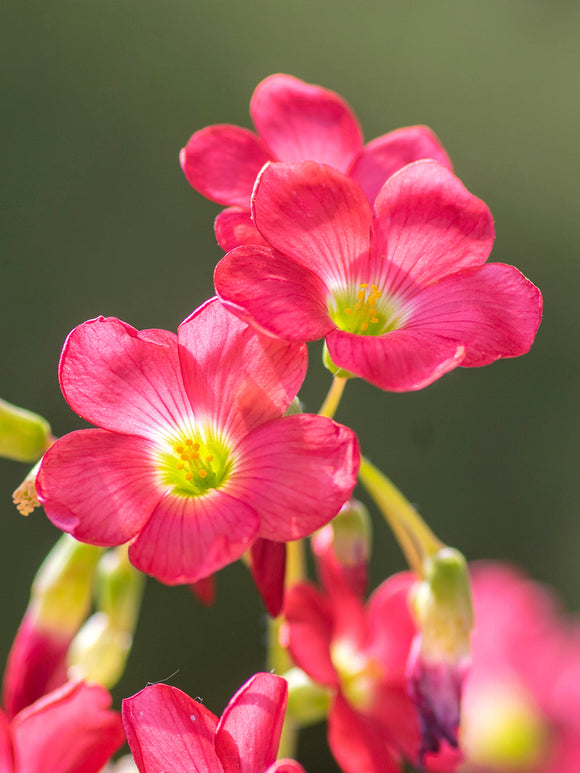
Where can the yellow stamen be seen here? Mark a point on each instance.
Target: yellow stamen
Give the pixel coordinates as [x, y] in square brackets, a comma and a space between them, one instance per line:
[364, 325]
[188, 476]
[202, 474]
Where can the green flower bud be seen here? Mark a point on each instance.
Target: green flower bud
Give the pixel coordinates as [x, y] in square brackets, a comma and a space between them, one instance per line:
[24, 436]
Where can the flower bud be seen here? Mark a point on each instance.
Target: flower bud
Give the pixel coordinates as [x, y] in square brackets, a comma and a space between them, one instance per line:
[24, 436]
[440, 652]
[59, 603]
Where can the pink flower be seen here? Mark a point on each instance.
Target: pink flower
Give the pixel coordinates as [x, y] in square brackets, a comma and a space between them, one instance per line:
[70, 730]
[167, 730]
[521, 702]
[295, 121]
[360, 652]
[195, 459]
[402, 294]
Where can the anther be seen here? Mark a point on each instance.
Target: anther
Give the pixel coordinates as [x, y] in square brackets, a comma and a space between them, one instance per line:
[188, 476]
[202, 474]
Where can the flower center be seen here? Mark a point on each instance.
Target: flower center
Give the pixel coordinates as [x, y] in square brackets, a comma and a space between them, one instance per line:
[367, 313]
[503, 729]
[357, 673]
[194, 465]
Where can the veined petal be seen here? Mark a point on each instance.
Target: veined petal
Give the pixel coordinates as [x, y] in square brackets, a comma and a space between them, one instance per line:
[399, 361]
[188, 538]
[276, 294]
[493, 310]
[382, 157]
[236, 377]
[301, 122]
[70, 730]
[123, 379]
[296, 472]
[99, 486]
[429, 225]
[248, 732]
[222, 163]
[308, 632]
[233, 226]
[357, 745]
[167, 730]
[316, 216]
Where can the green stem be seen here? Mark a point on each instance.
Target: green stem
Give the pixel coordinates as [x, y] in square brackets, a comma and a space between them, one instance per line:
[333, 397]
[416, 539]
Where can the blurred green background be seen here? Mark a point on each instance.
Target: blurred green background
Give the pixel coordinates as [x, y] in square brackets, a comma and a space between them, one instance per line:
[98, 98]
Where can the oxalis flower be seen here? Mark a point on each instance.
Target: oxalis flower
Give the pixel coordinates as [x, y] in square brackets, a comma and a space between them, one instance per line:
[402, 294]
[169, 731]
[295, 121]
[194, 460]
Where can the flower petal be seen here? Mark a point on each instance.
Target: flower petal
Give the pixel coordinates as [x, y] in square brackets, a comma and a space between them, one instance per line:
[248, 732]
[278, 295]
[399, 361]
[356, 743]
[303, 122]
[236, 377]
[233, 226]
[70, 730]
[296, 473]
[188, 538]
[382, 157]
[493, 310]
[98, 486]
[308, 632]
[428, 226]
[391, 627]
[7, 762]
[122, 379]
[316, 216]
[268, 567]
[167, 730]
[286, 766]
[222, 163]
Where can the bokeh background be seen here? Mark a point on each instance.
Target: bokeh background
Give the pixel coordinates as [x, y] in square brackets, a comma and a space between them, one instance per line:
[98, 96]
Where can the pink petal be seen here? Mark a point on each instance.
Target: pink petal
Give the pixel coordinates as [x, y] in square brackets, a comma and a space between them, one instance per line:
[381, 158]
[248, 732]
[302, 122]
[222, 163]
[428, 226]
[356, 743]
[391, 627]
[296, 473]
[233, 226]
[36, 663]
[70, 730]
[204, 590]
[309, 631]
[169, 731]
[268, 567]
[99, 486]
[399, 361]
[7, 763]
[236, 378]
[286, 766]
[493, 310]
[122, 379]
[316, 216]
[278, 295]
[188, 538]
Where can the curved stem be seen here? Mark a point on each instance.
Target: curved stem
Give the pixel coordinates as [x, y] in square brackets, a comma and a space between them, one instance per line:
[333, 397]
[416, 539]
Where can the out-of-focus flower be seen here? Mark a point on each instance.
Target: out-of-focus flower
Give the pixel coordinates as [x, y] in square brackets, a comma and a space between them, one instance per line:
[360, 653]
[195, 459]
[521, 703]
[295, 121]
[402, 295]
[69, 730]
[60, 600]
[167, 730]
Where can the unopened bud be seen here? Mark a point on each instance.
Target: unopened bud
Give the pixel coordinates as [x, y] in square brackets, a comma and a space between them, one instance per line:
[440, 652]
[308, 702]
[99, 652]
[24, 436]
